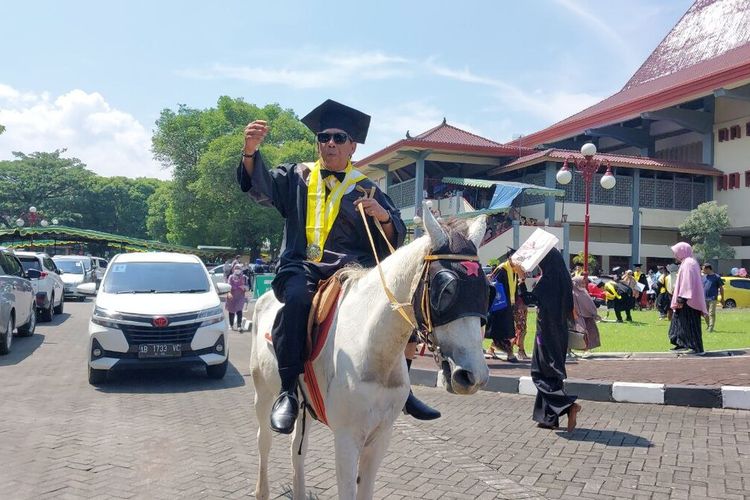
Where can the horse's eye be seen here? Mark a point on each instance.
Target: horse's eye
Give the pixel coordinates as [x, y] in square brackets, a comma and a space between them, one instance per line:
[443, 290]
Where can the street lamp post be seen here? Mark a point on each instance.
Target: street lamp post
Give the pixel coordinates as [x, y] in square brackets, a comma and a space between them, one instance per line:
[587, 166]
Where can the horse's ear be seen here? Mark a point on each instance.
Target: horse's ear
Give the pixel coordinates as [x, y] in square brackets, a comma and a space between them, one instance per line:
[477, 229]
[432, 227]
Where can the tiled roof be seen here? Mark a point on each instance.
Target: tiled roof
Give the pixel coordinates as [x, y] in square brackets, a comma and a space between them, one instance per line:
[614, 159]
[708, 29]
[447, 138]
[453, 135]
[697, 67]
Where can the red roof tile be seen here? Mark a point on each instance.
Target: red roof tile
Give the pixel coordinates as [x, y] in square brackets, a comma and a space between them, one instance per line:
[453, 135]
[708, 29]
[614, 159]
[702, 59]
[447, 138]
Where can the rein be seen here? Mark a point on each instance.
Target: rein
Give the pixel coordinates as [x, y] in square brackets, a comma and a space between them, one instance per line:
[423, 331]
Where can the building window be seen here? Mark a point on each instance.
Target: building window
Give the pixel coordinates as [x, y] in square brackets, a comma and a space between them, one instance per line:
[747, 178]
[734, 180]
[735, 132]
[747, 129]
[723, 134]
[730, 179]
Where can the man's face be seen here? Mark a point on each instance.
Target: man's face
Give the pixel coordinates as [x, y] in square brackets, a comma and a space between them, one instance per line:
[336, 156]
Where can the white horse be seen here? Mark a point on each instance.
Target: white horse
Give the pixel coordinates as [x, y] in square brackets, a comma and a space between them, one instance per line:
[361, 369]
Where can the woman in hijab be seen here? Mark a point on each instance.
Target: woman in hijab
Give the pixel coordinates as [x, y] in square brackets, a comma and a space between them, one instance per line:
[554, 295]
[688, 302]
[586, 314]
[236, 298]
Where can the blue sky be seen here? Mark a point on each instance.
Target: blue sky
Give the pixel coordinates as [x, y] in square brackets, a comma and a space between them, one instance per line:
[94, 76]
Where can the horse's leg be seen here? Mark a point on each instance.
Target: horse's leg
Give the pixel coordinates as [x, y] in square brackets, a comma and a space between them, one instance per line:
[369, 463]
[263, 404]
[347, 456]
[299, 441]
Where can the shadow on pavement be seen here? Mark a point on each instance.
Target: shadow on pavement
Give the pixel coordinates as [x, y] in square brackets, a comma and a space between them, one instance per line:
[22, 348]
[287, 493]
[169, 380]
[608, 438]
[57, 320]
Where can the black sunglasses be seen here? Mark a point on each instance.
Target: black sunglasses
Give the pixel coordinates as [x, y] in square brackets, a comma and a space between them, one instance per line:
[338, 137]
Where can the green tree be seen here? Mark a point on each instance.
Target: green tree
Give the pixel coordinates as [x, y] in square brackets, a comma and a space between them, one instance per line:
[202, 147]
[578, 259]
[704, 226]
[159, 210]
[46, 181]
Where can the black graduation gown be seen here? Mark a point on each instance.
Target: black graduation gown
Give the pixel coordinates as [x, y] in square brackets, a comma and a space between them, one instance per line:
[554, 294]
[500, 325]
[284, 188]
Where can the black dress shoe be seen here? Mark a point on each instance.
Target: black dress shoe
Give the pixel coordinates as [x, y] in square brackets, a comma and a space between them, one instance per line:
[418, 409]
[284, 413]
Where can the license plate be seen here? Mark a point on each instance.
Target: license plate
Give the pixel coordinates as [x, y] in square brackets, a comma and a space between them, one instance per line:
[159, 351]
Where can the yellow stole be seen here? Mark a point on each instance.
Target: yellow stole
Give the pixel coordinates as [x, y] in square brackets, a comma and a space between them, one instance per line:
[511, 280]
[322, 209]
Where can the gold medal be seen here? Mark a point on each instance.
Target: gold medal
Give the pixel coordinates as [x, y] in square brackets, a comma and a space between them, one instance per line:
[313, 252]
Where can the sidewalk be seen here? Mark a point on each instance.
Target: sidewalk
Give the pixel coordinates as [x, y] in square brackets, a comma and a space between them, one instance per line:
[715, 381]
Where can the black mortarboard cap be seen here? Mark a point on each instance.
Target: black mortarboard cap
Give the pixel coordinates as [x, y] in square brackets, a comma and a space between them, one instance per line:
[637, 265]
[332, 114]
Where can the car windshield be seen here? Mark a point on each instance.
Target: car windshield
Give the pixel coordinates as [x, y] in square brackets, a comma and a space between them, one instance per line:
[156, 277]
[30, 263]
[70, 266]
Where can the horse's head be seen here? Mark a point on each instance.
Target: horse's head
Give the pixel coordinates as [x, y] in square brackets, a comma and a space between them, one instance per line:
[451, 302]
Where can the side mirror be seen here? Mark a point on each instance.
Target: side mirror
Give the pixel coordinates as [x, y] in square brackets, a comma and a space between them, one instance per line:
[33, 274]
[87, 288]
[223, 288]
[60, 272]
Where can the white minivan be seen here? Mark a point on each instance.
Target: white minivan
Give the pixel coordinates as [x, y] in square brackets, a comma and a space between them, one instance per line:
[156, 309]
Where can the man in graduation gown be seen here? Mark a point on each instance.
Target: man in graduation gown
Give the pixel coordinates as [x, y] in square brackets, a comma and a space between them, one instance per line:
[641, 278]
[323, 232]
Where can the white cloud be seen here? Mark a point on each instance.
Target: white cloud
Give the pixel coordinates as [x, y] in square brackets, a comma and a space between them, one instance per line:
[109, 141]
[549, 105]
[301, 73]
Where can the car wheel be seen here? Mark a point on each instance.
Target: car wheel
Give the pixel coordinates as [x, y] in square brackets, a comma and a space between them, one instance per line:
[27, 330]
[49, 313]
[730, 304]
[6, 340]
[59, 309]
[97, 377]
[217, 371]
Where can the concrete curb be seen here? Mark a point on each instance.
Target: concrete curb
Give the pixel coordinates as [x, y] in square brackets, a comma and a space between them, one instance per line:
[697, 396]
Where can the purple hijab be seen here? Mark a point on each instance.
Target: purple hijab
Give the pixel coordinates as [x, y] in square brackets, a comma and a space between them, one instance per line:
[689, 283]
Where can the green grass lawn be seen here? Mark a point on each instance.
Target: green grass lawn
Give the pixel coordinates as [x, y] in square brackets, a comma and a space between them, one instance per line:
[647, 334]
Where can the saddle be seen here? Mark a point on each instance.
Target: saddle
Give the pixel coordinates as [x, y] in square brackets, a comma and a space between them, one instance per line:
[321, 314]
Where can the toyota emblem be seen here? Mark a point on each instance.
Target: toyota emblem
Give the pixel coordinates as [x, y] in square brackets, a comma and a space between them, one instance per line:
[160, 321]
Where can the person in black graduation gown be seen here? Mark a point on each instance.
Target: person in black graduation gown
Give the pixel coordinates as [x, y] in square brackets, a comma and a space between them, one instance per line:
[313, 251]
[554, 294]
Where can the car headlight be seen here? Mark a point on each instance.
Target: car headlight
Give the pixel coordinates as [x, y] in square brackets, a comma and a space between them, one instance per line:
[103, 317]
[211, 316]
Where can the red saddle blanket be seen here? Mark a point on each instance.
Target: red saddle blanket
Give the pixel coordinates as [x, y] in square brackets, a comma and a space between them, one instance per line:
[319, 322]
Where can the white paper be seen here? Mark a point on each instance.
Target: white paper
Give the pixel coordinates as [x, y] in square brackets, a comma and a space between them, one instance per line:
[533, 250]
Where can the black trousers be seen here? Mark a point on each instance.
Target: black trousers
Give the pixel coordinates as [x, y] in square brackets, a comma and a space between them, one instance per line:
[295, 289]
[239, 319]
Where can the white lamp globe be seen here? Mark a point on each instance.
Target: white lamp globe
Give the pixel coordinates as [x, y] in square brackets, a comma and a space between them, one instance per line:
[588, 149]
[54, 222]
[417, 219]
[428, 203]
[32, 210]
[19, 222]
[44, 223]
[564, 176]
[608, 181]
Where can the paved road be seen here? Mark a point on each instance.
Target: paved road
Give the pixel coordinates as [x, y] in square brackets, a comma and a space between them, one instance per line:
[179, 435]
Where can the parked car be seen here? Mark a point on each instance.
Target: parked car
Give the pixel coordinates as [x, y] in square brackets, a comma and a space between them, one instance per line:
[217, 274]
[48, 288]
[100, 266]
[155, 309]
[17, 304]
[736, 292]
[77, 269]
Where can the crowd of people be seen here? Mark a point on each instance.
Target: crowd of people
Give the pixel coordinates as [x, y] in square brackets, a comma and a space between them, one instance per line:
[241, 277]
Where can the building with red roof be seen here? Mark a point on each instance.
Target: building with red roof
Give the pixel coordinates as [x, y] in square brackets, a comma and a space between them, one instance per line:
[677, 134]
